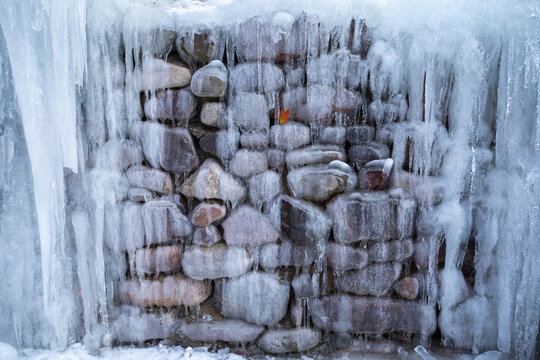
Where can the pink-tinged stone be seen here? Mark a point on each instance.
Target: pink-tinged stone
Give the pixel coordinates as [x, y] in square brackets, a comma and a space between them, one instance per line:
[162, 259]
[246, 225]
[407, 288]
[375, 174]
[310, 286]
[168, 291]
[395, 250]
[343, 257]
[206, 236]
[205, 214]
[375, 280]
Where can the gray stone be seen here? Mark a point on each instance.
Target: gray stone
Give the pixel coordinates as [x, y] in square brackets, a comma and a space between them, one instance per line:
[171, 149]
[212, 113]
[396, 250]
[200, 45]
[316, 182]
[246, 163]
[375, 280]
[210, 80]
[210, 181]
[280, 341]
[361, 154]
[206, 213]
[256, 297]
[152, 179]
[285, 254]
[315, 154]
[332, 135]
[168, 291]
[290, 135]
[360, 134]
[254, 139]
[296, 313]
[343, 257]
[178, 200]
[361, 216]
[140, 195]
[257, 77]
[343, 313]
[407, 288]
[339, 340]
[231, 331]
[276, 158]
[245, 225]
[171, 104]
[206, 236]
[132, 226]
[160, 74]
[164, 222]
[307, 286]
[303, 223]
[214, 262]
[375, 174]
[264, 187]
[223, 143]
[248, 37]
[162, 259]
[250, 111]
[352, 179]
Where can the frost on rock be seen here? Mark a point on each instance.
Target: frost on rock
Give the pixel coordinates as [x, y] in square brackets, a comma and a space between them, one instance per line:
[265, 78]
[246, 163]
[215, 262]
[207, 236]
[317, 183]
[289, 340]
[285, 254]
[290, 135]
[210, 80]
[200, 44]
[314, 154]
[152, 179]
[232, 331]
[303, 223]
[263, 188]
[212, 113]
[246, 225]
[376, 279]
[156, 260]
[159, 74]
[343, 257]
[171, 105]
[250, 111]
[163, 221]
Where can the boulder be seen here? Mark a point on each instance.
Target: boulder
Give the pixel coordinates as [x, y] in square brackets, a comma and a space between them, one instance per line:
[290, 135]
[206, 236]
[171, 149]
[163, 221]
[159, 74]
[250, 111]
[210, 80]
[303, 223]
[200, 45]
[171, 105]
[344, 313]
[264, 187]
[152, 179]
[231, 331]
[396, 250]
[352, 179]
[212, 114]
[168, 291]
[285, 254]
[361, 216]
[375, 280]
[316, 182]
[361, 154]
[315, 154]
[246, 225]
[162, 259]
[206, 213]
[210, 181]
[257, 77]
[281, 341]
[375, 174]
[407, 288]
[246, 163]
[259, 298]
[342, 257]
[216, 261]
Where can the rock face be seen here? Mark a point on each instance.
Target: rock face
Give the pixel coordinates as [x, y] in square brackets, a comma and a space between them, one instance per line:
[214, 262]
[289, 340]
[290, 135]
[232, 331]
[173, 290]
[259, 298]
[210, 181]
[375, 280]
[246, 225]
[207, 236]
[371, 215]
[210, 80]
[343, 257]
[163, 222]
[170, 149]
[205, 214]
[162, 259]
[285, 254]
[152, 179]
[344, 313]
[303, 223]
[171, 104]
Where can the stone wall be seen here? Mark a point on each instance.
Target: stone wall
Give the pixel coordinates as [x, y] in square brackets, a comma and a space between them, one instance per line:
[244, 227]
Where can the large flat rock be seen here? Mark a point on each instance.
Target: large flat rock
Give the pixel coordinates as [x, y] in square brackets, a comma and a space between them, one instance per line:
[232, 331]
[280, 341]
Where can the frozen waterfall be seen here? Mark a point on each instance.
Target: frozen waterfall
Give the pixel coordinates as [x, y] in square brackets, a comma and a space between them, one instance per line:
[286, 177]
